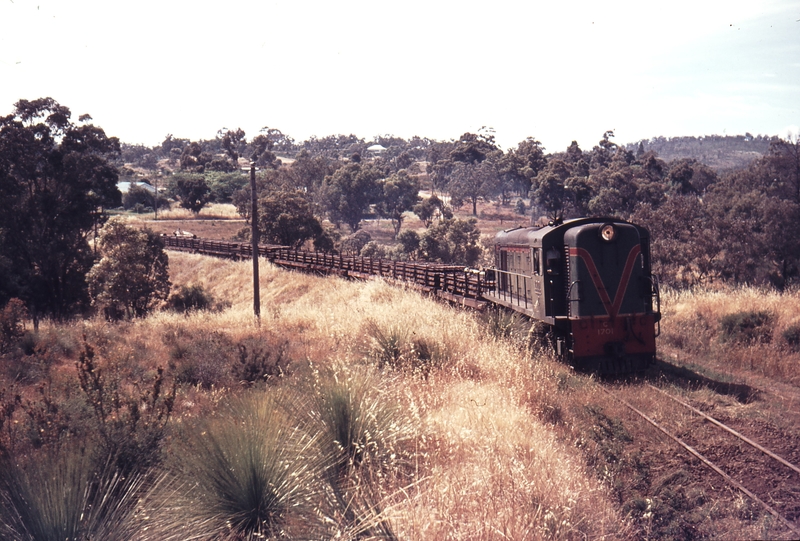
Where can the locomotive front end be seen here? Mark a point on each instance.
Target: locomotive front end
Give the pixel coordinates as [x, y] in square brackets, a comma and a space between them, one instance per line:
[610, 296]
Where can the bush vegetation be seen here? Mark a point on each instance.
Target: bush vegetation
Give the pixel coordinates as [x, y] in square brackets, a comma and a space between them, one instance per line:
[746, 327]
[190, 297]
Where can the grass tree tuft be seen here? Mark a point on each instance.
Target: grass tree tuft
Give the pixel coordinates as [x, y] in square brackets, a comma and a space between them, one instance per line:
[250, 473]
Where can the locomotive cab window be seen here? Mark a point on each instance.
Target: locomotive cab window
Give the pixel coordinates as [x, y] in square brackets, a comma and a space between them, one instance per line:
[553, 258]
[537, 261]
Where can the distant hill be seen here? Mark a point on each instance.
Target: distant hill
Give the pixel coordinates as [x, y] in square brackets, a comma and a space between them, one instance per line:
[720, 152]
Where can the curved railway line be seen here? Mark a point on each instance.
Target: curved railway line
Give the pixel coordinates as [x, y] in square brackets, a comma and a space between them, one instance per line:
[762, 475]
[452, 283]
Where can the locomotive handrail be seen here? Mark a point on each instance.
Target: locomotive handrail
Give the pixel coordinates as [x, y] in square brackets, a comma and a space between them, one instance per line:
[569, 294]
[508, 289]
[656, 294]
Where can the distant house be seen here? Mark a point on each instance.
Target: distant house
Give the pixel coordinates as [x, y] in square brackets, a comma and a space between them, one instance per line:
[376, 149]
[125, 186]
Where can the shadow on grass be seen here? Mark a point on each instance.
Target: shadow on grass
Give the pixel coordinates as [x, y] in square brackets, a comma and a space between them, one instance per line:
[687, 378]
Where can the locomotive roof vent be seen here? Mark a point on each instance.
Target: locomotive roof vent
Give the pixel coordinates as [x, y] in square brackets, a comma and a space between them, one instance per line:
[608, 233]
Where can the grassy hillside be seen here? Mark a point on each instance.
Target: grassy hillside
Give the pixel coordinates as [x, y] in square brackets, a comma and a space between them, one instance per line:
[447, 440]
[382, 413]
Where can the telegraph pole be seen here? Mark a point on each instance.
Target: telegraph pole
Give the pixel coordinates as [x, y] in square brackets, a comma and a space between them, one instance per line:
[155, 198]
[254, 237]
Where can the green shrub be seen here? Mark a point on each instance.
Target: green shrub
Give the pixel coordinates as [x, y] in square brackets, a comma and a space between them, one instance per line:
[426, 356]
[132, 275]
[390, 346]
[409, 241]
[12, 323]
[205, 360]
[139, 198]
[746, 327]
[364, 436]
[506, 324]
[394, 348]
[188, 298]
[374, 250]
[792, 336]
[260, 361]
[354, 243]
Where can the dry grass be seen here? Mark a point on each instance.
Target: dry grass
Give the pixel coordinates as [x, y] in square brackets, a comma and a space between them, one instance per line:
[213, 211]
[486, 467]
[506, 443]
[495, 472]
[486, 461]
[692, 325]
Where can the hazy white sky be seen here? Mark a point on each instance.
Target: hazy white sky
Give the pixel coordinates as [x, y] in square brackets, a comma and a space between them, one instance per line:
[552, 70]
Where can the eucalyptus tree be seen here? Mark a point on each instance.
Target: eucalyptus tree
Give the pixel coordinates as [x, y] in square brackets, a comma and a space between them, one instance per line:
[55, 179]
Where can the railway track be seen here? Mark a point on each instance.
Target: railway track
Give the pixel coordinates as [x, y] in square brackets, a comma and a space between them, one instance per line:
[763, 476]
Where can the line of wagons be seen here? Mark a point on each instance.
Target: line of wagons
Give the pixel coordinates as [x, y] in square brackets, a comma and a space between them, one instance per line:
[587, 281]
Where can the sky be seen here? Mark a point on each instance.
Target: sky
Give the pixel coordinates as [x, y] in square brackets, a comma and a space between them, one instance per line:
[556, 71]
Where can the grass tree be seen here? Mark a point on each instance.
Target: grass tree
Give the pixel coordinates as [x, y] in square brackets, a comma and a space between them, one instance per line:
[364, 434]
[68, 496]
[249, 473]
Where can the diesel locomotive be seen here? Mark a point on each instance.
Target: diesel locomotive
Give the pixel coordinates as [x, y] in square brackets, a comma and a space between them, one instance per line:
[589, 281]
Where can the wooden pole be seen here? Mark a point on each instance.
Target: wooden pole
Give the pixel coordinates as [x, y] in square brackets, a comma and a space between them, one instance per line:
[155, 198]
[254, 237]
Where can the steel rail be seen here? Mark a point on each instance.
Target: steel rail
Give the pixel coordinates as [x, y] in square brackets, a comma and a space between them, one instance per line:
[710, 464]
[728, 429]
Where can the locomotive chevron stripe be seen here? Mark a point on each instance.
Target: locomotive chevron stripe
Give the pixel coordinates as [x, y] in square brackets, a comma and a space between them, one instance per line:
[611, 309]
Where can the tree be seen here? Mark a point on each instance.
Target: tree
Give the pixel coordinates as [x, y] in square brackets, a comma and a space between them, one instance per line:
[55, 178]
[286, 218]
[684, 243]
[758, 228]
[473, 181]
[603, 153]
[171, 143]
[233, 142]
[679, 178]
[193, 192]
[308, 172]
[452, 241]
[519, 166]
[409, 242]
[139, 195]
[784, 159]
[132, 275]
[400, 194]
[194, 158]
[430, 209]
[549, 188]
[224, 185]
[348, 193]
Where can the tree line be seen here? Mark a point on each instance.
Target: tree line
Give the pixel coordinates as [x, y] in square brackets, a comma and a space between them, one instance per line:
[58, 177]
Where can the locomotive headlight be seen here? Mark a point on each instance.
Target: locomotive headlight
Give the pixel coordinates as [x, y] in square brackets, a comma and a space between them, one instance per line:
[608, 233]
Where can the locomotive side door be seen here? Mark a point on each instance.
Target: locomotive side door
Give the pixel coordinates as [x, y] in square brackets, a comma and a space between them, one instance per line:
[503, 263]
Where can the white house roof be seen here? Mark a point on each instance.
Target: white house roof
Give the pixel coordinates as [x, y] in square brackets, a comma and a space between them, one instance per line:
[376, 148]
[125, 186]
